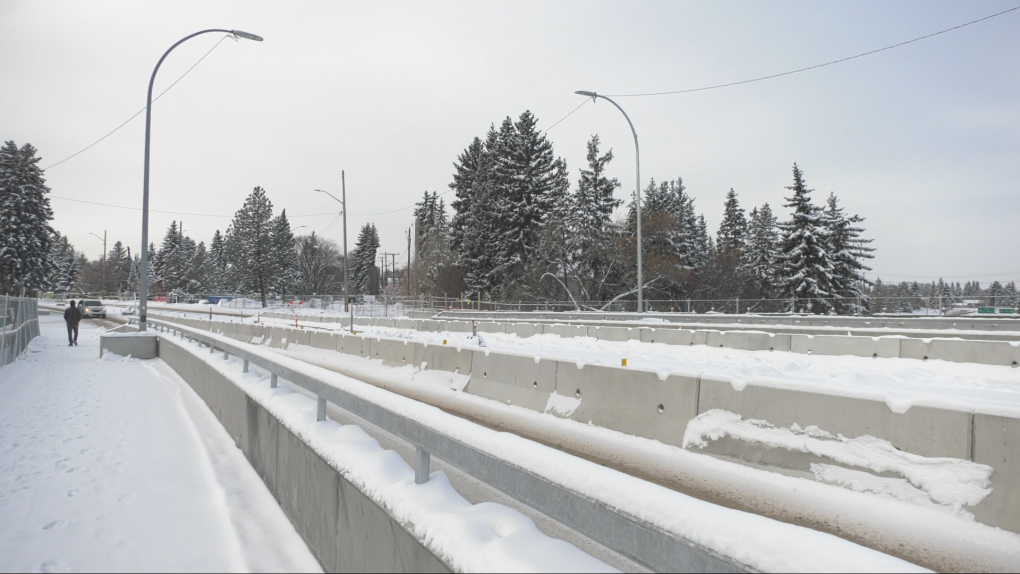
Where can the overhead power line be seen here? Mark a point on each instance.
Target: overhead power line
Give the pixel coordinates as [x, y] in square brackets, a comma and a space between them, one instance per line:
[815, 67]
[176, 212]
[139, 112]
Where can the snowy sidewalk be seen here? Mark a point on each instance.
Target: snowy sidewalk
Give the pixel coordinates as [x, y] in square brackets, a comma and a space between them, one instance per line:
[116, 465]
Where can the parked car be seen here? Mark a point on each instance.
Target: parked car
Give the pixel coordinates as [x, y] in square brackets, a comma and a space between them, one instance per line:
[92, 308]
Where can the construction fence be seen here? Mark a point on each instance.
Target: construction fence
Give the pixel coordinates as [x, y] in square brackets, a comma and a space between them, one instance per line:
[19, 324]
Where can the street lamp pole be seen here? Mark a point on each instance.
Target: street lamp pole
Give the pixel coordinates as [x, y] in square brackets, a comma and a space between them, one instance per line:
[104, 256]
[637, 163]
[143, 271]
[343, 205]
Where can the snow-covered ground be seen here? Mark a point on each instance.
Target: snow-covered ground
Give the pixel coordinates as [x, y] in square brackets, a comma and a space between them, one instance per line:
[115, 464]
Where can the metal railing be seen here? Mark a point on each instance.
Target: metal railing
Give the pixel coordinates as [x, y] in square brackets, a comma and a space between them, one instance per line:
[638, 540]
[19, 324]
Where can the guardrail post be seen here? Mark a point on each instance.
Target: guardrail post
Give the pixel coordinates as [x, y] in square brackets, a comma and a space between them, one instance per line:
[226, 354]
[421, 465]
[320, 411]
[272, 381]
[245, 366]
[212, 349]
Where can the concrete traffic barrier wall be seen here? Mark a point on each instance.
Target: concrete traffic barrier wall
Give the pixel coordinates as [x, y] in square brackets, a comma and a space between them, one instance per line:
[614, 333]
[668, 336]
[755, 341]
[996, 444]
[492, 327]
[921, 430]
[986, 352]
[566, 330]
[298, 336]
[353, 345]
[524, 329]
[457, 326]
[512, 379]
[881, 347]
[343, 527]
[631, 401]
[321, 340]
[394, 352]
[443, 358]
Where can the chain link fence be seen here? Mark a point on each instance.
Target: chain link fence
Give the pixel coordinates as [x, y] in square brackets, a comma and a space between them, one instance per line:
[19, 324]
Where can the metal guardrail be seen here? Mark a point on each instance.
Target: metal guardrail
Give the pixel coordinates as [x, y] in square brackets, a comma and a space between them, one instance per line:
[616, 529]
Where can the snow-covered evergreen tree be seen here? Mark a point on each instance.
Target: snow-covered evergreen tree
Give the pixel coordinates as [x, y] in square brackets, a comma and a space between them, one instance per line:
[249, 245]
[118, 262]
[730, 239]
[25, 232]
[218, 271]
[199, 271]
[66, 265]
[591, 224]
[847, 251]
[363, 261]
[761, 246]
[285, 273]
[807, 268]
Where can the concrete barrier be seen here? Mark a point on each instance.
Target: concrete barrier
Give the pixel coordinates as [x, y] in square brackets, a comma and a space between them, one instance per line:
[458, 326]
[343, 527]
[298, 336]
[353, 345]
[921, 430]
[136, 345]
[668, 336]
[997, 444]
[322, 340]
[394, 352]
[524, 329]
[443, 358]
[566, 330]
[630, 401]
[492, 327]
[986, 352]
[512, 379]
[614, 333]
[880, 347]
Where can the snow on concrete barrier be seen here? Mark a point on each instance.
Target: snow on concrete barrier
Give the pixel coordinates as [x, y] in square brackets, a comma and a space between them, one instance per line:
[524, 329]
[488, 327]
[924, 431]
[344, 528]
[627, 400]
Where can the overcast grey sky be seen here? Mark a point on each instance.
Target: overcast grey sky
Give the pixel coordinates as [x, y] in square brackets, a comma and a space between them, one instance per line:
[923, 140]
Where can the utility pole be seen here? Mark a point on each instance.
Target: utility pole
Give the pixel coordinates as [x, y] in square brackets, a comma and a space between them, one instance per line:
[417, 256]
[393, 260]
[407, 271]
[102, 262]
[343, 203]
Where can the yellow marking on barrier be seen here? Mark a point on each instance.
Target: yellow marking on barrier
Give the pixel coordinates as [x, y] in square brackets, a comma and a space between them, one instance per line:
[623, 362]
[444, 341]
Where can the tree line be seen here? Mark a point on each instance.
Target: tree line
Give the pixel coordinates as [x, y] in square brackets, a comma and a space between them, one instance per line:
[518, 232]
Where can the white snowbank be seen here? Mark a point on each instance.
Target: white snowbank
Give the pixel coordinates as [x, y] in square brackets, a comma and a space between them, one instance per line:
[949, 481]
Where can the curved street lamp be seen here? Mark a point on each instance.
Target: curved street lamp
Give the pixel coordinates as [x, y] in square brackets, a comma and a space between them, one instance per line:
[143, 273]
[637, 153]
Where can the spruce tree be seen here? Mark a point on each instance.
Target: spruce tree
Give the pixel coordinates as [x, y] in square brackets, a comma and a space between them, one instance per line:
[761, 246]
[807, 268]
[363, 260]
[25, 232]
[285, 272]
[118, 262]
[591, 223]
[847, 250]
[730, 239]
[218, 264]
[249, 246]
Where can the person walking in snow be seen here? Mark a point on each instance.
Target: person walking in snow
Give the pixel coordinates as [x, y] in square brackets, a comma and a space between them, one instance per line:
[72, 316]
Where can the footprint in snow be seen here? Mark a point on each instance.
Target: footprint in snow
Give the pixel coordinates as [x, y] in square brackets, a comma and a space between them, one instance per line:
[55, 525]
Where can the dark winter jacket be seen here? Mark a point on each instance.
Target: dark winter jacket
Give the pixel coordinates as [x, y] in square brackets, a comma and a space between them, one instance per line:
[72, 315]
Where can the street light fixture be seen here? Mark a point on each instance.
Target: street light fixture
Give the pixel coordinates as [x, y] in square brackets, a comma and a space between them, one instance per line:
[343, 204]
[637, 153]
[143, 272]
